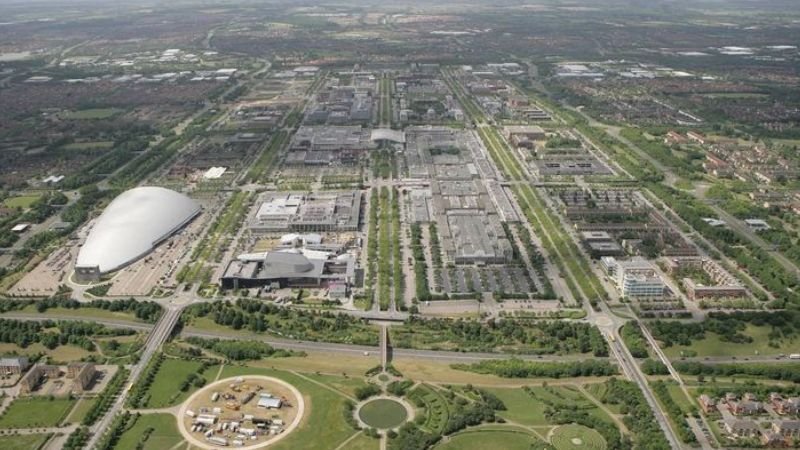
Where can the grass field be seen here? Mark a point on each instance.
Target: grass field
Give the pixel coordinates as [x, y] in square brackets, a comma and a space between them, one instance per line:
[323, 406]
[712, 345]
[164, 434]
[482, 440]
[91, 114]
[22, 201]
[521, 408]
[345, 385]
[680, 398]
[92, 145]
[364, 442]
[23, 442]
[88, 313]
[81, 408]
[165, 388]
[383, 413]
[577, 437]
[36, 412]
[62, 353]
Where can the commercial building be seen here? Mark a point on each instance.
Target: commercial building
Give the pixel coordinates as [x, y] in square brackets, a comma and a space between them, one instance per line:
[289, 268]
[636, 278]
[521, 135]
[130, 227]
[334, 211]
[475, 237]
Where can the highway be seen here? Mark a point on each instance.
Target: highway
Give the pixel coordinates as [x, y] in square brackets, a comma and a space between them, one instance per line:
[158, 336]
[631, 370]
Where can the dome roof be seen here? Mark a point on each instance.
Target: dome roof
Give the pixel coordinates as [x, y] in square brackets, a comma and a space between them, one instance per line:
[287, 262]
[132, 224]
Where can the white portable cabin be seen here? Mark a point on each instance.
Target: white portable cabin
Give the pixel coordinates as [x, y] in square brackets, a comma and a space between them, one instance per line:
[218, 441]
[206, 419]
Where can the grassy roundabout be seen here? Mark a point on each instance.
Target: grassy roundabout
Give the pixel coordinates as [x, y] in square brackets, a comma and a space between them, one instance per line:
[383, 413]
[480, 440]
[577, 437]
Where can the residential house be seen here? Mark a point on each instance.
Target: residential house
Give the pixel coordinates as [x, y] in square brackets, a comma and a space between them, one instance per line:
[772, 439]
[741, 428]
[13, 365]
[789, 429]
[745, 407]
[789, 406]
[708, 404]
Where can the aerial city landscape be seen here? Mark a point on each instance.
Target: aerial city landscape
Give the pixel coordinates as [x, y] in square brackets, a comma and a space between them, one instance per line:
[456, 225]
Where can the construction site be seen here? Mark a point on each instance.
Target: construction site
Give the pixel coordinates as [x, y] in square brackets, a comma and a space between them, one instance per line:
[246, 412]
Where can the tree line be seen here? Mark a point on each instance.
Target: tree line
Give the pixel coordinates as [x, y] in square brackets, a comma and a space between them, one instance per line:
[517, 368]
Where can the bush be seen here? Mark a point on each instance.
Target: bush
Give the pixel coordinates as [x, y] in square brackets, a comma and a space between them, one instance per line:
[365, 392]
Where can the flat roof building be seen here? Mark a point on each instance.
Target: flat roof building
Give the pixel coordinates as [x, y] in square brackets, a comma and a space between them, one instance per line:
[333, 211]
[636, 278]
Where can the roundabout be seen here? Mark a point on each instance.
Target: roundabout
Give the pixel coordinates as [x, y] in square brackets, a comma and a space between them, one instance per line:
[383, 412]
[249, 412]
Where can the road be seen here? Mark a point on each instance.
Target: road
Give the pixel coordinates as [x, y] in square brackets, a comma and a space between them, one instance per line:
[670, 178]
[158, 336]
[631, 370]
[701, 437]
[740, 227]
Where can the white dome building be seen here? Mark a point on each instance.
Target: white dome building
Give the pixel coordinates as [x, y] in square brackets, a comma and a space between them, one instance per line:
[130, 227]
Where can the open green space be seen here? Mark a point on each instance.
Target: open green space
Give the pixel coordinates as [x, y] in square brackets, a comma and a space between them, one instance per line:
[714, 345]
[247, 317]
[23, 441]
[21, 201]
[577, 437]
[62, 353]
[150, 432]
[437, 408]
[521, 407]
[345, 385]
[36, 412]
[489, 439]
[364, 442]
[91, 114]
[383, 413]
[165, 390]
[85, 313]
[91, 145]
[81, 409]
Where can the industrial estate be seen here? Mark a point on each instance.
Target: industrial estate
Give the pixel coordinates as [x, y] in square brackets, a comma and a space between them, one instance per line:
[519, 225]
